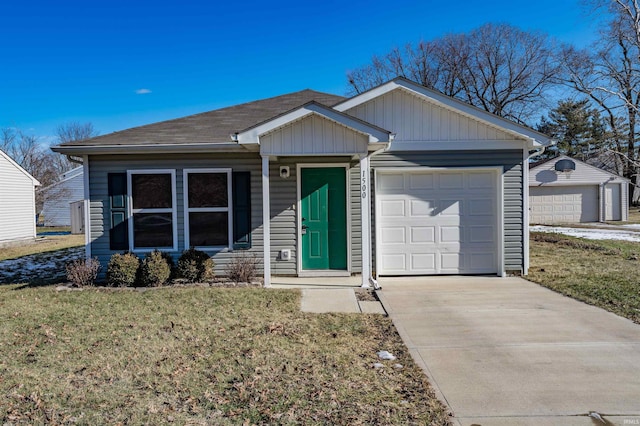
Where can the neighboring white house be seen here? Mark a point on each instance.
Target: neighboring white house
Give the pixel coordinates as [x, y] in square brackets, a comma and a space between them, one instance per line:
[17, 202]
[566, 190]
[59, 197]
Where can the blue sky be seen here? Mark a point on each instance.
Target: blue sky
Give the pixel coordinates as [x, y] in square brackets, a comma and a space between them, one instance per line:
[120, 64]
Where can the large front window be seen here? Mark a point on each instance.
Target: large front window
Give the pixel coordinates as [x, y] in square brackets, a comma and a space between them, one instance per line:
[208, 220]
[153, 209]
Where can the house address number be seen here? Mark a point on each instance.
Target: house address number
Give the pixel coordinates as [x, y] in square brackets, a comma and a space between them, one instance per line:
[364, 184]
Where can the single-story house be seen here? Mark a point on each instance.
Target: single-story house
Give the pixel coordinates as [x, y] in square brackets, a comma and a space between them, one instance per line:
[17, 202]
[398, 180]
[59, 197]
[566, 190]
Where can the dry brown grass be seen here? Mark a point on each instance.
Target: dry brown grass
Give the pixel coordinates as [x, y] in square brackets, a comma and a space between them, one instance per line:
[41, 245]
[200, 356]
[602, 273]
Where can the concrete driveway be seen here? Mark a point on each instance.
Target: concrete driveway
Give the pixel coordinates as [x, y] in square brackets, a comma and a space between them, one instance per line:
[506, 351]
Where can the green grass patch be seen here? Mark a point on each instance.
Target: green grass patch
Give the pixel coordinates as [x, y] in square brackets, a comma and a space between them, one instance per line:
[603, 273]
[41, 245]
[200, 356]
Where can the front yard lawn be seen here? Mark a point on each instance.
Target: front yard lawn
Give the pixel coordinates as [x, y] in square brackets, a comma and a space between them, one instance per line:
[200, 356]
[42, 244]
[603, 273]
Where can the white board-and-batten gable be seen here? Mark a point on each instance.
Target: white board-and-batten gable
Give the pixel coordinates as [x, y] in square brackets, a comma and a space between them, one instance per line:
[423, 118]
[314, 135]
[545, 174]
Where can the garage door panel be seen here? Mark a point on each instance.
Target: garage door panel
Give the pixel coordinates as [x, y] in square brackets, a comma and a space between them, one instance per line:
[482, 181]
[393, 235]
[420, 181]
[449, 221]
[421, 207]
[451, 180]
[423, 234]
[392, 208]
[423, 262]
[564, 204]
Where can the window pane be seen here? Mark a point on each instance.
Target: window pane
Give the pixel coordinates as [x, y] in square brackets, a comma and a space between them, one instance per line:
[151, 191]
[152, 230]
[208, 190]
[208, 229]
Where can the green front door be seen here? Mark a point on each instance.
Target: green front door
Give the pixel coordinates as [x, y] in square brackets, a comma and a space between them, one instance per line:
[323, 213]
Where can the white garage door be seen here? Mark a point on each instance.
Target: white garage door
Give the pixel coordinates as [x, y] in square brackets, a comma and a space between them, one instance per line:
[437, 222]
[563, 204]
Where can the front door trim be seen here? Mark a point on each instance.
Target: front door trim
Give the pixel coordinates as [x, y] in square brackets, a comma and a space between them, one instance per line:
[329, 272]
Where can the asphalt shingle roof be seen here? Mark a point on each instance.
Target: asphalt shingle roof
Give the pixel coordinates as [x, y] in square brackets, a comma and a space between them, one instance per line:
[213, 126]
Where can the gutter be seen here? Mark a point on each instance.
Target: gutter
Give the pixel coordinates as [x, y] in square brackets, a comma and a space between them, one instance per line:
[70, 150]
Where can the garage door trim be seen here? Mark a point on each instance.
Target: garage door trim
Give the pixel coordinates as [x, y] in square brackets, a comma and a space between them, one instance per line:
[499, 176]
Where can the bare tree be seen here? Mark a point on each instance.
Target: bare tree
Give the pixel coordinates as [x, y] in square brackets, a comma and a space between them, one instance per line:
[71, 132]
[32, 154]
[608, 73]
[75, 131]
[498, 68]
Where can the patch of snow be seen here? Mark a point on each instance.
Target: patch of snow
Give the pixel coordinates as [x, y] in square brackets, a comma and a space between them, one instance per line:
[632, 226]
[386, 355]
[590, 233]
[378, 365]
[48, 266]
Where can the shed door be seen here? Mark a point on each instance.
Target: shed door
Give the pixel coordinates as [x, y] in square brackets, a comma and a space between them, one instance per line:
[563, 204]
[437, 222]
[613, 202]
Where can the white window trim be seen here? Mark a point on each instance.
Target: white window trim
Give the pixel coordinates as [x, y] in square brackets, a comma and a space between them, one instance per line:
[173, 210]
[228, 209]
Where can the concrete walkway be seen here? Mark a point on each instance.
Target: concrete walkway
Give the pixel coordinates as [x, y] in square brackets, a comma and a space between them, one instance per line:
[504, 351]
[323, 300]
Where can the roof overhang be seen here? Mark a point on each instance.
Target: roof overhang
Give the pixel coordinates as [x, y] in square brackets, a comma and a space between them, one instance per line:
[534, 139]
[251, 136]
[185, 148]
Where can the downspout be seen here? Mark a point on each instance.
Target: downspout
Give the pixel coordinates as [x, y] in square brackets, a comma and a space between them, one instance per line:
[525, 201]
[372, 280]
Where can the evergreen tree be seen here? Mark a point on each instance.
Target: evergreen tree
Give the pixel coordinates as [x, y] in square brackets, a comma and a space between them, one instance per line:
[579, 130]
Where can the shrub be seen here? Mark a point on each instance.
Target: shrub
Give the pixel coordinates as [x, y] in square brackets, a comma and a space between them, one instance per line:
[155, 269]
[195, 266]
[122, 270]
[243, 268]
[82, 272]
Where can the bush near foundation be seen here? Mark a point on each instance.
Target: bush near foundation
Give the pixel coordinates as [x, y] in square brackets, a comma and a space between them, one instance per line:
[122, 270]
[243, 268]
[155, 269]
[82, 272]
[195, 266]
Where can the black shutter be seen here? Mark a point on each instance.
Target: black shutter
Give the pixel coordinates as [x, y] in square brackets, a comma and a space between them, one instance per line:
[241, 190]
[118, 233]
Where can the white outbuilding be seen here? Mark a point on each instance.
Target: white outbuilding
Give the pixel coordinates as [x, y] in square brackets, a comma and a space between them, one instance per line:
[61, 198]
[566, 190]
[17, 202]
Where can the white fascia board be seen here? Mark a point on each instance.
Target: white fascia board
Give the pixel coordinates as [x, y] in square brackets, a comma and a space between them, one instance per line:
[252, 135]
[148, 149]
[535, 139]
[17, 166]
[471, 145]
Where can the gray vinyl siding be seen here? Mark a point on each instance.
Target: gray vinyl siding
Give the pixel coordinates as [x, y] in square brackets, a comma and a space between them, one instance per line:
[509, 160]
[100, 166]
[283, 195]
